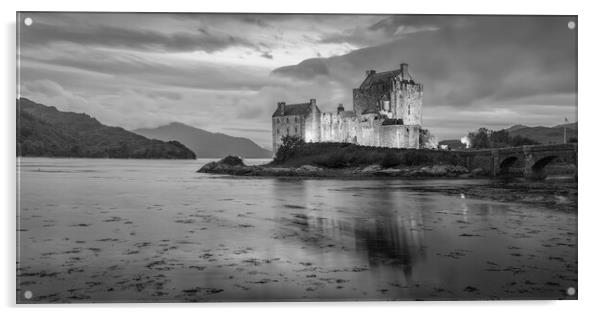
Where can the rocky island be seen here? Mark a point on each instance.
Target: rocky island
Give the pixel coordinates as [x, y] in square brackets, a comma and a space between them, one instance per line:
[296, 158]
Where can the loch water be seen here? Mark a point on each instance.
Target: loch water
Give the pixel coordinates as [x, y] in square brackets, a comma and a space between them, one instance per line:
[116, 230]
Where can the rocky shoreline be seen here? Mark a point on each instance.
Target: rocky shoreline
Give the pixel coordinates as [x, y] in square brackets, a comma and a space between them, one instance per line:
[234, 166]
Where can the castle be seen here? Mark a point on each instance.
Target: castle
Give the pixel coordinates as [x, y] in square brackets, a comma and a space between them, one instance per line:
[387, 112]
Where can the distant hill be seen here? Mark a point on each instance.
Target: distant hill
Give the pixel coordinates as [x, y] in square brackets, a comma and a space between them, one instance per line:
[545, 135]
[206, 144]
[47, 132]
[516, 127]
[568, 125]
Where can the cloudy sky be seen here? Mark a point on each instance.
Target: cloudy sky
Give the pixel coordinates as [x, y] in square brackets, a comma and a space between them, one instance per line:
[226, 72]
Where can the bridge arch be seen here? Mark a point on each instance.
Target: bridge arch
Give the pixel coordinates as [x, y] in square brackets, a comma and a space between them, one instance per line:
[543, 162]
[537, 168]
[507, 163]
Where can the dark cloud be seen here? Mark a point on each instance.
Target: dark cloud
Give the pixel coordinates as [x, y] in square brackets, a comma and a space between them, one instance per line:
[255, 19]
[169, 95]
[307, 69]
[385, 30]
[41, 33]
[267, 55]
[134, 68]
[392, 24]
[467, 60]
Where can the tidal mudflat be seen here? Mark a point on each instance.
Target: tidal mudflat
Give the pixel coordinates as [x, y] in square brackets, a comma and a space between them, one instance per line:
[96, 230]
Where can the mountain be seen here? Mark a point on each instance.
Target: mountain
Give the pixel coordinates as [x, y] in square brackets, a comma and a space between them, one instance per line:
[545, 135]
[568, 125]
[516, 127]
[45, 131]
[206, 144]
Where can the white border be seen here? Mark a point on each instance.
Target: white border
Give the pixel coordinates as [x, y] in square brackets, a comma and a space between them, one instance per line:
[589, 154]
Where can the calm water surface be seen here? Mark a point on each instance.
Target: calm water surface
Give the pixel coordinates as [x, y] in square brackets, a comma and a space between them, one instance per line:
[100, 230]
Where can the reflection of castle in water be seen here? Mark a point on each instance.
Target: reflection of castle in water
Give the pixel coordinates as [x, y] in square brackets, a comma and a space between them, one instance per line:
[386, 239]
[384, 236]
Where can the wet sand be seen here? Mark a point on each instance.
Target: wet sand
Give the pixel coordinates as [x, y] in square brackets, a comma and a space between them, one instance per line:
[155, 231]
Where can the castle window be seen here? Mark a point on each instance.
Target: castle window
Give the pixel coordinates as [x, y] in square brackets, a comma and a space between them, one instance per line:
[278, 121]
[295, 130]
[295, 120]
[287, 130]
[287, 119]
[277, 131]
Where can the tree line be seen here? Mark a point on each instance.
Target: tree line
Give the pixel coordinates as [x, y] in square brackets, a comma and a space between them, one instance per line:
[486, 138]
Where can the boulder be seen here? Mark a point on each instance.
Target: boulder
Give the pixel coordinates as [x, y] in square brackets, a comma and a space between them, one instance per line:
[232, 161]
[229, 164]
[388, 172]
[309, 168]
[209, 167]
[477, 172]
[442, 170]
[371, 169]
[456, 170]
[435, 171]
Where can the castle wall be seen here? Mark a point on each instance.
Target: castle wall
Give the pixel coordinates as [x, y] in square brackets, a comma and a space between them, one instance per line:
[399, 136]
[338, 128]
[312, 126]
[331, 127]
[368, 134]
[286, 125]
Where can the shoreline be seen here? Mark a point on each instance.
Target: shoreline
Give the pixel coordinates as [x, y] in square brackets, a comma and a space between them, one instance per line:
[373, 171]
[560, 194]
[553, 195]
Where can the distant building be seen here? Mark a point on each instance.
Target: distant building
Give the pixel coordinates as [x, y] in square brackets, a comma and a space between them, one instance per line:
[452, 144]
[387, 112]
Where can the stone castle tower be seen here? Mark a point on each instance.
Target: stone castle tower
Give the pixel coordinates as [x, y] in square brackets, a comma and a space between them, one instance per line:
[393, 94]
[387, 112]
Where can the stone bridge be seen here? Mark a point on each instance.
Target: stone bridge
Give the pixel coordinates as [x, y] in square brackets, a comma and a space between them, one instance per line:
[528, 160]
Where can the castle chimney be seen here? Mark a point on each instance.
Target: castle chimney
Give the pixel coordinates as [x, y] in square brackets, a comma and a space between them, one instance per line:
[341, 108]
[312, 102]
[404, 71]
[370, 72]
[281, 106]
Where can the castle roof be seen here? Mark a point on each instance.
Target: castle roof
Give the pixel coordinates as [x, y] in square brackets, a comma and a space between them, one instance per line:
[294, 109]
[384, 78]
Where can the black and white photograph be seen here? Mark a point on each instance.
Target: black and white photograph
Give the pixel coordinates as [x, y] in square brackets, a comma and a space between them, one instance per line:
[295, 157]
